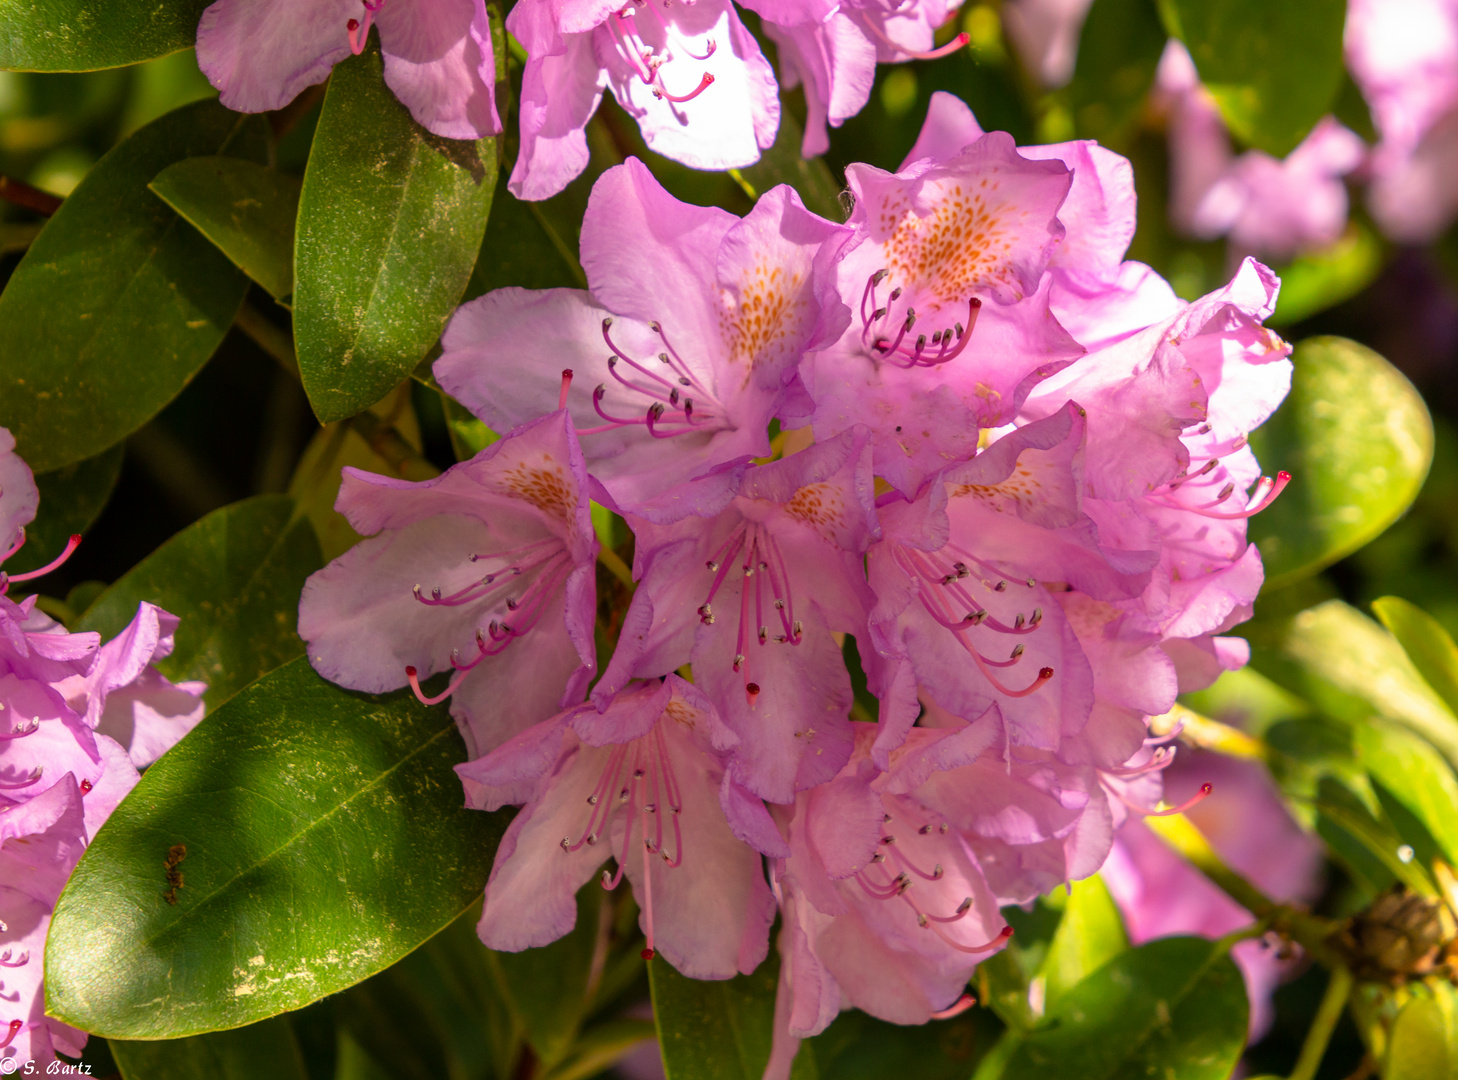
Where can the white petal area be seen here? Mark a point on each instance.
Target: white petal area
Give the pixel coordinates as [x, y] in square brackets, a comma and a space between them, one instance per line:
[731, 121]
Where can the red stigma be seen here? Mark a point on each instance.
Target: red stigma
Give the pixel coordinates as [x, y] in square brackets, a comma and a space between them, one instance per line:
[647, 954]
[352, 25]
[410, 672]
[15, 1026]
[1045, 673]
[566, 385]
[85, 786]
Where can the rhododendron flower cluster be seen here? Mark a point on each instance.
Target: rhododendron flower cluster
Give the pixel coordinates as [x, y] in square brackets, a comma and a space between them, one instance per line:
[1008, 478]
[78, 718]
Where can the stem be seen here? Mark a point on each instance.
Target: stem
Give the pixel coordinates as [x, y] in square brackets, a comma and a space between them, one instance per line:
[614, 563]
[270, 338]
[1307, 930]
[1327, 1016]
[1210, 734]
[31, 198]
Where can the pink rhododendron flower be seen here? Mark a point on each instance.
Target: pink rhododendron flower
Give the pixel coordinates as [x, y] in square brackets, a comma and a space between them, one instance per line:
[1045, 33]
[261, 53]
[832, 49]
[495, 556]
[1159, 893]
[702, 318]
[1275, 209]
[751, 596]
[690, 74]
[62, 699]
[946, 280]
[644, 783]
[1404, 56]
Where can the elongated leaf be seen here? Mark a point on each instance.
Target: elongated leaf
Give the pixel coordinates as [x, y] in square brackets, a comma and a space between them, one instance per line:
[1416, 776]
[1322, 279]
[119, 301]
[1426, 643]
[234, 579]
[1336, 657]
[1090, 934]
[245, 208]
[71, 498]
[266, 1049]
[324, 839]
[1174, 1007]
[83, 35]
[1118, 52]
[1274, 68]
[1358, 441]
[714, 1029]
[1425, 1037]
[390, 224]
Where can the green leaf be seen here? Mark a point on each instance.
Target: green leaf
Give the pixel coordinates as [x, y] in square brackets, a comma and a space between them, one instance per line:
[266, 1049]
[1426, 643]
[1425, 1037]
[1342, 661]
[245, 208]
[71, 499]
[1274, 68]
[1322, 279]
[118, 302]
[1090, 934]
[548, 986]
[1172, 1008]
[714, 1029]
[84, 35]
[600, 1047]
[1358, 441]
[1416, 776]
[857, 1046]
[519, 249]
[324, 839]
[390, 225]
[1118, 53]
[234, 580]
[783, 163]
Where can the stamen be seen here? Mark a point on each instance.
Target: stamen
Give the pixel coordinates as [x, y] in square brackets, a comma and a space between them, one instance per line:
[962, 1004]
[566, 385]
[15, 1026]
[659, 91]
[20, 733]
[1276, 487]
[71, 546]
[6, 961]
[15, 785]
[1145, 811]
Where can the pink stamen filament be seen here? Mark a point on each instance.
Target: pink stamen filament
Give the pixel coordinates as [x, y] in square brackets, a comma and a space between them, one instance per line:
[1160, 761]
[14, 785]
[946, 50]
[20, 733]
[19, 543]
[916, 354]
[15, 1026]
[1265, 493]
[6, 961]
[71, 545]
[359, 32]
[566, 385]
[538, 553]
[647, 63]
[607, 325]
[1145, 811]
[962, 1004]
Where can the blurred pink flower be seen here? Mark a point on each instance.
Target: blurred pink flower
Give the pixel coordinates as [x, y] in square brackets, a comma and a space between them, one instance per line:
[1160, 894]
[1045, 33]
[1267, 207]
[438, 58]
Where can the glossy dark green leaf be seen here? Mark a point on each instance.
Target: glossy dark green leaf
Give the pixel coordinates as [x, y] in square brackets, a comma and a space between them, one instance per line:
[83, 35]
[324, 839]
[1274, 68]
[1118, 52]
[520, 249]
[245, 208]
[1175, 1007]
[1429, 647]
[857, 1046]
[390, 225]
[1358, 441]
[1424, 1042]
[266, 1049]
[234, 580]
[1337, 658]
[71, 498]
[119, 301]
[714, 1029]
